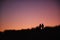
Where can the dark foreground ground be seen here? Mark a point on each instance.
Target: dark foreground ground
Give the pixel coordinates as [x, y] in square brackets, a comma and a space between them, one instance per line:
[33, 34]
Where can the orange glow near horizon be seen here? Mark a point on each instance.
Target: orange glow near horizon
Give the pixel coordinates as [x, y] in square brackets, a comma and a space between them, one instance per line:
[19, 15]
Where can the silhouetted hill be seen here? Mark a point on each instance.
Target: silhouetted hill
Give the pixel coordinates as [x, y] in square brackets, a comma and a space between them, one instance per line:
[47, 33]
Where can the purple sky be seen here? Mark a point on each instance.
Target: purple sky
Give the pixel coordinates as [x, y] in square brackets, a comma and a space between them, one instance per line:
[28, 14]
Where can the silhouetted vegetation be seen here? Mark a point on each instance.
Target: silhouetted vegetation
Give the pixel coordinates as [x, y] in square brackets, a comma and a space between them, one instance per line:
[38, 33]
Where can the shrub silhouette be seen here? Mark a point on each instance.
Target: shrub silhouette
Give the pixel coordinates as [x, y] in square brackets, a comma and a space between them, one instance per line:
[46, 33]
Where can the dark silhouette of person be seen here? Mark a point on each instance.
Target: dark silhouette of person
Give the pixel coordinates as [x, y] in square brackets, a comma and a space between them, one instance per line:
[41, 26]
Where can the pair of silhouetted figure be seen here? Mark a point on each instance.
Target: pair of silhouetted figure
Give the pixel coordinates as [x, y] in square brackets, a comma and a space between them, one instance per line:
[41, 26]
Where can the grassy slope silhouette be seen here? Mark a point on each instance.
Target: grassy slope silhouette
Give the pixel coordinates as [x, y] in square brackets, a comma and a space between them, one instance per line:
[47, 33]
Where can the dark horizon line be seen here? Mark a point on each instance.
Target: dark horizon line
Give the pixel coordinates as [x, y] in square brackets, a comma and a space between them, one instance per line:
[32, 28]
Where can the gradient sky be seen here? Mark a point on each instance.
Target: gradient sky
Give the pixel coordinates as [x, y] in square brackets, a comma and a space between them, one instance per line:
[27, 14]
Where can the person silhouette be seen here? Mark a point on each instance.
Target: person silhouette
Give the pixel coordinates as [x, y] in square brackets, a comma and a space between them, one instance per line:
[41, 26]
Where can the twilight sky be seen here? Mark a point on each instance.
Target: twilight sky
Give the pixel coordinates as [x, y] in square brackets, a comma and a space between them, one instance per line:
[27, 14]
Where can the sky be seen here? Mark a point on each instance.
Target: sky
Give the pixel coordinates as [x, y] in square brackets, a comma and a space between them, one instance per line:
[25, 14]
